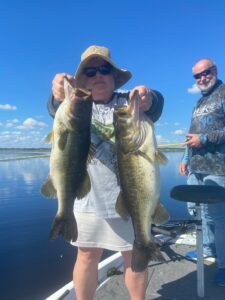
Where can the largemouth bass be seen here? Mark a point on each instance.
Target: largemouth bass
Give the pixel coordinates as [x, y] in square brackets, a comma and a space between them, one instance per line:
[68, 177]
[138, 167]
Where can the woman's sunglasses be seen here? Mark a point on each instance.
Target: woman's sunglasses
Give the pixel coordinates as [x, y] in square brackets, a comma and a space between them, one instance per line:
[204, 73]
[104, 70]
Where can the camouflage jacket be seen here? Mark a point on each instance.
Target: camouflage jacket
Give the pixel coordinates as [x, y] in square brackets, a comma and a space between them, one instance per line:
[208, 120]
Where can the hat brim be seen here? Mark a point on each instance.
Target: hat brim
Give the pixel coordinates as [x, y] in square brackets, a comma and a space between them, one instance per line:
[121, 76]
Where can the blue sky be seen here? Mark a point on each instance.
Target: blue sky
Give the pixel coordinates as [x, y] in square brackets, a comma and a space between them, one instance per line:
[157, 40]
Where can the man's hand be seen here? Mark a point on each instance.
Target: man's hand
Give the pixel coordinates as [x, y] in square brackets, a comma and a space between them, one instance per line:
[193, 140]
[183, 168]
[145, 95]
[58, 85]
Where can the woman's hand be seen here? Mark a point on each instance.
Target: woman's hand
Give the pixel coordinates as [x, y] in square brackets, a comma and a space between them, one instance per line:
[145, 95]
[58, 85]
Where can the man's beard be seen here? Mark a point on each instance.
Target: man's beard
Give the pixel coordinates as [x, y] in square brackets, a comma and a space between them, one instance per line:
[207, 87]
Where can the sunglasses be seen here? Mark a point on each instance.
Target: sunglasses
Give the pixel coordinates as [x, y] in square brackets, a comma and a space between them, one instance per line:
[104, 70]
[204, 73]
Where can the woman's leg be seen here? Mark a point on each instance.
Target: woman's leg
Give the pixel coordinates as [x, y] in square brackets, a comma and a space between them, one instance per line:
[136, 282]
[85, 273]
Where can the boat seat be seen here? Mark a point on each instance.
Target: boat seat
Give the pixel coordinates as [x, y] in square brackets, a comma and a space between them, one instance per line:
[199, 194]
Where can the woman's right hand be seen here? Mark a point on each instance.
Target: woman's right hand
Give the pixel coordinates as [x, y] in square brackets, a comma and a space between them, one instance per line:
[58, 85]
[183, 168]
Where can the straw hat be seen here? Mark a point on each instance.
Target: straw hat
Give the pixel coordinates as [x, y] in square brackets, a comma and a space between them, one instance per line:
[121, 76]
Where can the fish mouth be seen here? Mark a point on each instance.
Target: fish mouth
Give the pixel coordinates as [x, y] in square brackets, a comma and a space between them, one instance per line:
[130, 135]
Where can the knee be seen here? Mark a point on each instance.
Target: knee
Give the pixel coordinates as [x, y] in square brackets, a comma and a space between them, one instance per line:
[88, 255]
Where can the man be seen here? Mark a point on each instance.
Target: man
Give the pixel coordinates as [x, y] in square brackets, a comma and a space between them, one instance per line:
[99, 226]
[205, 156]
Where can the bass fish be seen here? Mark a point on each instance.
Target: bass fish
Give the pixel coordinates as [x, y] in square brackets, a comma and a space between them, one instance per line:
[68, 178]
[138, 169]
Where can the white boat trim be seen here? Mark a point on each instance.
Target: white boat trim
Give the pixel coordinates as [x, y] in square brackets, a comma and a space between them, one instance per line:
[67, 292]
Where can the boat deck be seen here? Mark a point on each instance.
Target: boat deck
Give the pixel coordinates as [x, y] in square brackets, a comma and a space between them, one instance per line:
[174, 280]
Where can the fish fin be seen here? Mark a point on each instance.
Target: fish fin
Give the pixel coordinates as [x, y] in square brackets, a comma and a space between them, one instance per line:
[63, 140]
[48, 189]
[50, 137]
[67, 227]
[85, 187]
[144, 155]
[161, 215]
[142, 254]
[121, 208]
[116, 168]
[161, 158]
[91, 154]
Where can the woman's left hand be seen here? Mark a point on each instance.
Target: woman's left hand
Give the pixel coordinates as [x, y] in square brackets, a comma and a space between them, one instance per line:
[145, 95]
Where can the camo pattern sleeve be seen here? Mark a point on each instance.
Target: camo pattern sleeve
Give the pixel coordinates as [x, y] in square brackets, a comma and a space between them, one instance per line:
[208, 121]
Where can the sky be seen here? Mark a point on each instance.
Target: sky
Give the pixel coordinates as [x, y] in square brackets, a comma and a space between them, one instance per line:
[157, 40]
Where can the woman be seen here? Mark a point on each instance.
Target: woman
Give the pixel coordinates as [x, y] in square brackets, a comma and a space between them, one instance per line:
[99, 225]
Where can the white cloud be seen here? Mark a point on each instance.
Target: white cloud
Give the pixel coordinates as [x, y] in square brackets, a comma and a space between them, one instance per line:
[161, 140]
[158, 124]
[31, 138]
[179, 132]
[193, 90]
[31, 123]
[39, 117]
[158, 138]
[11, 123]
[7, 107]
[5, 132]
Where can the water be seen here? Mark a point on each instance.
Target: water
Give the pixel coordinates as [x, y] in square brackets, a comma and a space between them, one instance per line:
[31, 266]
[19, 153]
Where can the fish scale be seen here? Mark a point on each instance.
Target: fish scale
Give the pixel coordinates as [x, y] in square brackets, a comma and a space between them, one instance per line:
[138, 171]
[68, 178]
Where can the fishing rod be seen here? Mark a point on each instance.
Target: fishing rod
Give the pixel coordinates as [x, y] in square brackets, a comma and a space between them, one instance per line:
[188, 138]
[171, 145]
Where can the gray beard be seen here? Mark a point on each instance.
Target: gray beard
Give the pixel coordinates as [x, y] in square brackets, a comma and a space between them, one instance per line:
[207, 88]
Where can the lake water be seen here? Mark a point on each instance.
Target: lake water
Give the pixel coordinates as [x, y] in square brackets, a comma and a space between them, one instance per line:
[31, 266]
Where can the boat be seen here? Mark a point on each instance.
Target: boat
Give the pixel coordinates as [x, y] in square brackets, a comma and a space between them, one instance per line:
[110, 266]
[174, 279]
[176, 233]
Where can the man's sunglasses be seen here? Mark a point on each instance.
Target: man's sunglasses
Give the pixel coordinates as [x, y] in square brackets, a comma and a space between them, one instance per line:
[204, 73]
[104, 70]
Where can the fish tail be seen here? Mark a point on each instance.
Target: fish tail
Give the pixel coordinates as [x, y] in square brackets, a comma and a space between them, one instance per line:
[67, 227]
[142, 254]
